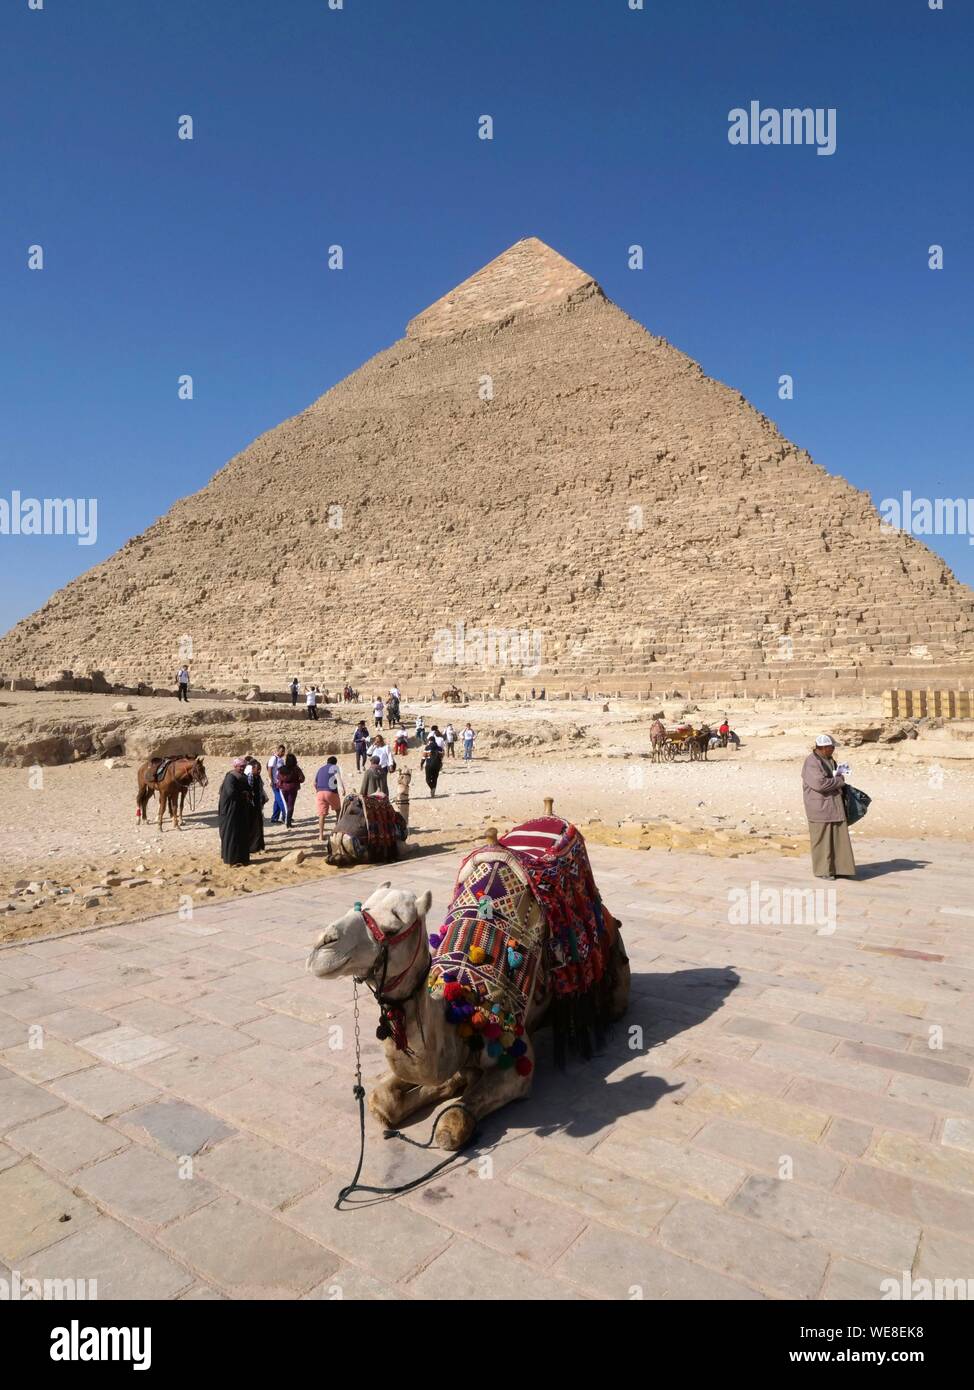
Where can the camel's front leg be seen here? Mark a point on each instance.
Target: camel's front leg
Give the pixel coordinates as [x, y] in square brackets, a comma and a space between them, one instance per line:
[394, 1100]
[494, 1088]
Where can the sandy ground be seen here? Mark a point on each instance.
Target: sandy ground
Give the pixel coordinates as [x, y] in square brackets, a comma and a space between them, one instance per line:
[73, 826]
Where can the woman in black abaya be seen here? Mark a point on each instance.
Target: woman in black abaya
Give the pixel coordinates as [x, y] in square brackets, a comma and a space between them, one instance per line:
[432, 763]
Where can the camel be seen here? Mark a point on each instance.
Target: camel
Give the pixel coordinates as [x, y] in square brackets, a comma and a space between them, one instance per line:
[402, 800]
[383, 942]
[180, 774]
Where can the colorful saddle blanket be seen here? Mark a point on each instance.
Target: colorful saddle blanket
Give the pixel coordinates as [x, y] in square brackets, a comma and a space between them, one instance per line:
[374, 826]
[525, 915]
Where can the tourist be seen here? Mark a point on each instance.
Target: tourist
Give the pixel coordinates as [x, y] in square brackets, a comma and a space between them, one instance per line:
[380, 750]
[182, 684]
[258, 798]
[727, 734]
[234, 816]
[360, 739]
[295, 688]
[311, 701]
[401, 745]
[378, 710]
[420, 731]
[371, 784]
[450, 739]
[828, 831]
[289, 779]
[432, 763]
[468, 737]
[329, 790]
[274, 765]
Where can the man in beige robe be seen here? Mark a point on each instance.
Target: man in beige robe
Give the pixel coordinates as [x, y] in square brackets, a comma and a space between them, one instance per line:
[828, 831]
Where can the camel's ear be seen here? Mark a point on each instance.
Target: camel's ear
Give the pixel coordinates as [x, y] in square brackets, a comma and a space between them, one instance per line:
[424, 903]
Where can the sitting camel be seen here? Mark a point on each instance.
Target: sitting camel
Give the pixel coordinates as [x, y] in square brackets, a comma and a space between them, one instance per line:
[440, 1042]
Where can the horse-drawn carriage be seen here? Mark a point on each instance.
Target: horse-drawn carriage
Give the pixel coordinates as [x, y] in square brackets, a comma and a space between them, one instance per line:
[673, 744]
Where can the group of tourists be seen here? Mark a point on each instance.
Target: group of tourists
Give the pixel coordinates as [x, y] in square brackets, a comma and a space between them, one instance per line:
[243, 798]
[243, 795]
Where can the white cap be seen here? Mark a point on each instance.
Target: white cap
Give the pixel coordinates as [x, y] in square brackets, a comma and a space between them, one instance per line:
[824, 741]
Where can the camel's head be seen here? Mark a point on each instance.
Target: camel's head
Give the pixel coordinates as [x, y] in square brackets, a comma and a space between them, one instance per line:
[347, 947]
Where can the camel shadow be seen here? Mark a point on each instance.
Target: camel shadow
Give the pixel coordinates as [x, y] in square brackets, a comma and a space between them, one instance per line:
[890, 866]
[586, 1097]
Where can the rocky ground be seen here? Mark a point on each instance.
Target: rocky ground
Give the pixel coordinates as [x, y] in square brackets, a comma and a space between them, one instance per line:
[73, 854]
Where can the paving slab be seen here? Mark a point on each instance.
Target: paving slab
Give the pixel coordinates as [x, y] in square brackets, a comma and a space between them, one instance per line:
[174, 1126]
[66, 1140]
[785, 1124]
[249, 1253]
[36, 1211]
[114, 1259]
[141, 1187]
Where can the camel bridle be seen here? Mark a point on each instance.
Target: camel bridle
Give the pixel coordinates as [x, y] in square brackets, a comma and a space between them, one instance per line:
[385, 941]
[391, 1024]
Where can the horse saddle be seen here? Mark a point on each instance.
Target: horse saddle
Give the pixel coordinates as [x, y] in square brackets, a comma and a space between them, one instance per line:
[159, 770]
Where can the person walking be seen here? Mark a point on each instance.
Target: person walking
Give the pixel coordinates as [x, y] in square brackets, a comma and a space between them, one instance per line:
[182, 683]
[420, 730]
[274, 764]
[295, 689]
[360, 739]
[234, 816]
[329, 790]
[828, 830]
[378, 710]
[311, 701]
[450, 739]
[468, 737]
[371, 784]
[289, 779]
[432, 763]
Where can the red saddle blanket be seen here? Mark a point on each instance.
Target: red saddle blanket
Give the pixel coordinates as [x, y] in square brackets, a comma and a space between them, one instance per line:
[494, 953]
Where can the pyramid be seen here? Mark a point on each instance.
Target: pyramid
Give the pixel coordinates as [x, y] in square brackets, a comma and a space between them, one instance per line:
[528, 485]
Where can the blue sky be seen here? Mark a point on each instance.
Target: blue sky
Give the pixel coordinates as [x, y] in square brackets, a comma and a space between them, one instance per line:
[358, 126]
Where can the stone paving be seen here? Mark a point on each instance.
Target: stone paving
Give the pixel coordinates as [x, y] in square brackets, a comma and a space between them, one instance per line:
[787, 1113]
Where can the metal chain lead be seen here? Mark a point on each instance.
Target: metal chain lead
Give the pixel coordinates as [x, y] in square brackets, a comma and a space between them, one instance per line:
[358, 1039]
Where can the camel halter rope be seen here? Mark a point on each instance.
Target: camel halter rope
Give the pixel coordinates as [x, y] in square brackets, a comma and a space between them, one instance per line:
[380, 992]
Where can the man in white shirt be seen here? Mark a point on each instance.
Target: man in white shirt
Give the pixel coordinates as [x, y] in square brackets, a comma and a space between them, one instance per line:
[381, 751]
[274, 764]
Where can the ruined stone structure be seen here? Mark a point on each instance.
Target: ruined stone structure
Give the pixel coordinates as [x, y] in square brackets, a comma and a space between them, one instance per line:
[529, 484]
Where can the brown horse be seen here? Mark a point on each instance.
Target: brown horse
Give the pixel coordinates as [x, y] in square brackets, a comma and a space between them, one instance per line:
[179, 775]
